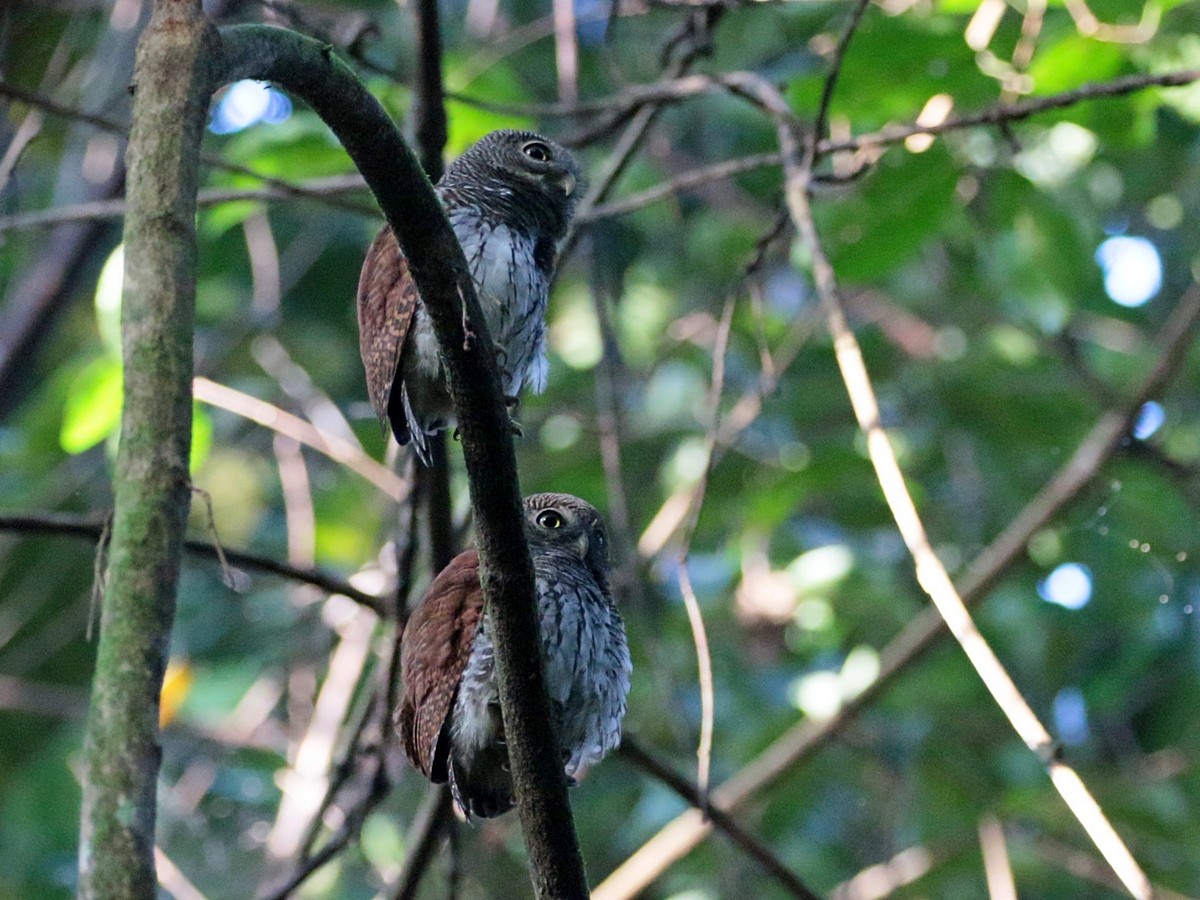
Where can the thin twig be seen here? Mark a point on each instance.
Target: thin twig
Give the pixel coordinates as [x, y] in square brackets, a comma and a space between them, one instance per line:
[93, 528]
[704, 667]
[835, 68]
[13, 92]
[99, 566]
[335, 845]
[691, 604]
[282, 422]
[211, 521]
[633, 751]
[431, 820]
[637, 129]
[333, 186]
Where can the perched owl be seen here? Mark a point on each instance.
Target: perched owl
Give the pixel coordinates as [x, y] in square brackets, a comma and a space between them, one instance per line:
[449, 717]
[509, 198]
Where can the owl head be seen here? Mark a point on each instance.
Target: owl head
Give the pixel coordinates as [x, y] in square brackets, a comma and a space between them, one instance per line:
[537, 179]
[566, 523]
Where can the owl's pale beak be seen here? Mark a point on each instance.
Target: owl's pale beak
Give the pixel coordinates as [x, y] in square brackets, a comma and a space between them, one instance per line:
[583, 545]
[568, 183]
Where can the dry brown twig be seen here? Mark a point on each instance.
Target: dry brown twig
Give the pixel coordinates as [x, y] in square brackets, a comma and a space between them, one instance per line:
[282, 422]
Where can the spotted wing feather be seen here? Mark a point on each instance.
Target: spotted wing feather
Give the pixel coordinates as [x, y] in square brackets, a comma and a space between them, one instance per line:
[433, 654]
[387, 302]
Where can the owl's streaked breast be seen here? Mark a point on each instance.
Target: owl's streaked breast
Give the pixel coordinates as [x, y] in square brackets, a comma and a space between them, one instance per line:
[587, 667]
[513, 291]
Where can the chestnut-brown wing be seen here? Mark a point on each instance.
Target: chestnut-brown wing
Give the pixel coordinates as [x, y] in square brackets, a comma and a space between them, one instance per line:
[387, 301]
[433, 654]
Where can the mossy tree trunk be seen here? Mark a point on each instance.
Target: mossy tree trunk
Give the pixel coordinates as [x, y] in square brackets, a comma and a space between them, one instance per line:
[171, 79]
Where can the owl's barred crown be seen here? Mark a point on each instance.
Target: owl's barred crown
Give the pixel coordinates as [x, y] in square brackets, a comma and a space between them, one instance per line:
[519, 176]
[564, 521]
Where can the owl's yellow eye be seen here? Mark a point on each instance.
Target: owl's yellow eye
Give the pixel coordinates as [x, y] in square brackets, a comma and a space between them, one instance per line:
[549, 519]
[536, 150]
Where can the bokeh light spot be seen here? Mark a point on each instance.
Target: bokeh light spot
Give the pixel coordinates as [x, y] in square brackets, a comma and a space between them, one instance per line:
[1132, 269]
[1150, 418]
[1070, 716]
[1069, 586]
[246, 103]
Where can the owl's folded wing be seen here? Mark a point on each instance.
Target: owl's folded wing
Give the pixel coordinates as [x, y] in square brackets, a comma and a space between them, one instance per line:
[433, 654]
[387, 302]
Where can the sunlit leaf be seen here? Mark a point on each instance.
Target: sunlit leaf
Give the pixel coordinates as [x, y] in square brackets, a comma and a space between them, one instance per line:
[108, 300]
[93, 409]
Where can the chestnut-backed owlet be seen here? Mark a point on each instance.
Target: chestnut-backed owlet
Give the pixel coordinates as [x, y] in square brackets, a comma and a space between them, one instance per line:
[509, 198]
[449, 718]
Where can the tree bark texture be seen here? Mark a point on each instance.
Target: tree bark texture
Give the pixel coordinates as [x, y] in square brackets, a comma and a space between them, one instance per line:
[171, 83]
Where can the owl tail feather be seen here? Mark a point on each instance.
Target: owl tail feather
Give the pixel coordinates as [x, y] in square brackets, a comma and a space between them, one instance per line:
[482, 800]
[405, 424]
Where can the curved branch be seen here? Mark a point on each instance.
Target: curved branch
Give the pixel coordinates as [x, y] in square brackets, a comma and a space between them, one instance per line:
[311, 71]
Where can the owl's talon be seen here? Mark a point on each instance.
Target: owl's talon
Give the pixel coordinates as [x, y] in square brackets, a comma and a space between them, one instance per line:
[456, 435]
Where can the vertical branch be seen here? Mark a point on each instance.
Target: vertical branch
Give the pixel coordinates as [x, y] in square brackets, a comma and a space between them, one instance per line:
[428, 105]
[151, 480]
[429, 129]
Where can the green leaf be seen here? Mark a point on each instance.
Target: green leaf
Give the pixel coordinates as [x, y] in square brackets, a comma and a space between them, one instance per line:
[898, 209]
[202, 437]
[1074, 61]
[108, 300]
[93, 408]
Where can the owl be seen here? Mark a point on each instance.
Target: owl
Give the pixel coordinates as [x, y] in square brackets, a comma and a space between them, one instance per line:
[509, 199]
[449, 717]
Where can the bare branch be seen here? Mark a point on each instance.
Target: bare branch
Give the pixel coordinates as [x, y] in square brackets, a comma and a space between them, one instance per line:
[632, 751]
[332, 187]
[931, 574]
[283, 422]
[92, 529]
[999, 114]
[1005, 113]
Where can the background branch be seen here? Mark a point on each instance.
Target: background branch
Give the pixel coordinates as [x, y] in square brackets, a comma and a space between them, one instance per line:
[92, 529]
[683, 833]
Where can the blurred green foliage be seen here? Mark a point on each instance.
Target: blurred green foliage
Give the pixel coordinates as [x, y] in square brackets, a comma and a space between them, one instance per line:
[971, 275]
